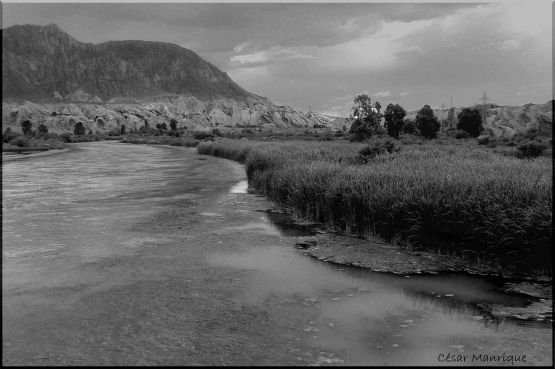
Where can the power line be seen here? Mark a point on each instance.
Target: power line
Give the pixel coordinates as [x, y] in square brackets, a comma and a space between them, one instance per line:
[484, 98]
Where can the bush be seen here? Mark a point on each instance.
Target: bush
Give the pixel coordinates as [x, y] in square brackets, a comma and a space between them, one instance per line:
[66, 137]
[409, 126]
[202, 135]
[20, 142]
[8, 135]
[42, 129]
[173, 124]
[26, 127]
[483, 140]
[79, 129]
[461, 134]
[530, 149]
[530, 134]
[378, 148]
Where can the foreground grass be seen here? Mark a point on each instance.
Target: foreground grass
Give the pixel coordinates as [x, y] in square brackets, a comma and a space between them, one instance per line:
[467, 201]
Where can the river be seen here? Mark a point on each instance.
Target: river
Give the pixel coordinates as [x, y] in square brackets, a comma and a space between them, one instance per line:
[118, 254]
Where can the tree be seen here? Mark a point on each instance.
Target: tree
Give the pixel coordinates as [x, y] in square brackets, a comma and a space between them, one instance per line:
[394, 114]
[26, 127]
[122, 129]
[366, 118]
[427, 122]
[470, 120]
[8, 135]
[42, 129]
[451, 117]
[79, 129]
[173, 124]
[409, 126]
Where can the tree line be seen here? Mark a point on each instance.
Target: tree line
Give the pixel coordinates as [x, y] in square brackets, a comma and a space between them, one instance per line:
[367, 118]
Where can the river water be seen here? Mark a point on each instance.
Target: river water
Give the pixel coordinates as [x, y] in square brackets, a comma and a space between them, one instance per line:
[149, 255]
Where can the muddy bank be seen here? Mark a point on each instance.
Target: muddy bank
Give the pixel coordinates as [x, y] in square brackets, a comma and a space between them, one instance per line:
[378, 256]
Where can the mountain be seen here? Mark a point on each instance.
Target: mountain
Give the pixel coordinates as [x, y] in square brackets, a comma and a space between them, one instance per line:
[50, 77]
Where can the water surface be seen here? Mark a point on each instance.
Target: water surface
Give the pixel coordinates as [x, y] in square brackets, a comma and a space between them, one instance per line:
[150, 255]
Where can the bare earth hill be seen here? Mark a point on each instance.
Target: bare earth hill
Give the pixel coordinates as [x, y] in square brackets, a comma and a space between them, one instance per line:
[505, 121]
[50, 77]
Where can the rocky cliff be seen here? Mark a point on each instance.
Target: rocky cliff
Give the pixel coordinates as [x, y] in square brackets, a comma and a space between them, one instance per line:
[49, 77]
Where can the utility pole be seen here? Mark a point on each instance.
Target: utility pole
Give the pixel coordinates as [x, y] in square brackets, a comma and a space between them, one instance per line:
[484, 99]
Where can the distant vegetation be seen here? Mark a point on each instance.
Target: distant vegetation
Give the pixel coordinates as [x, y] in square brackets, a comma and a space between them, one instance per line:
[470, 121]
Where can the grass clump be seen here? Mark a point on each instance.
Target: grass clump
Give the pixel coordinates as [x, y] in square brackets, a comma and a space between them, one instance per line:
[471, 202]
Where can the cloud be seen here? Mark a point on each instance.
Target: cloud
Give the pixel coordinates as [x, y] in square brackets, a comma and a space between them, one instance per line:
[374, 49]
[241, 47]
[382, 94]
[405, 93]
[273, 55]
[510, 45]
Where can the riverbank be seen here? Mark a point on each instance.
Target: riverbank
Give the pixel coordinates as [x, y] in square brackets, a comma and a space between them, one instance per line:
[482, 207]
[29, 153]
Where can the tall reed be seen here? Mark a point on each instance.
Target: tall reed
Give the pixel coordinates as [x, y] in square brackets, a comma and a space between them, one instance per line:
[471, 201]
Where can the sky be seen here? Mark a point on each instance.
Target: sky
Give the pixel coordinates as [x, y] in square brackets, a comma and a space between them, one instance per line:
[319, 56]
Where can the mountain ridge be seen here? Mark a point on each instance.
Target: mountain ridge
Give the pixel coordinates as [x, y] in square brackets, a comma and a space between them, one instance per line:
[46, 72]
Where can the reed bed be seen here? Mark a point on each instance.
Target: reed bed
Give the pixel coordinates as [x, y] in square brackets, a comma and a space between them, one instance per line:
[467, 201]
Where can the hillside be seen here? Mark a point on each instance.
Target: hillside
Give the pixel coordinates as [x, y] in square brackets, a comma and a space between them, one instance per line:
[505, 121]
[50, 77]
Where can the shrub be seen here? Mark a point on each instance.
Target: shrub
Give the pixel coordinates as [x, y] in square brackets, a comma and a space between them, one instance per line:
[378, 148]
[173, 124]
[8, 135]
[461, 134]
[530, 149]
[26, 127]
[483, 140]
[66, 137]
[42, 129]
[409, 126]
[531, 133]
[20, 142]
[470, 121]
[427, 122]
[202, 135]
[79, 129]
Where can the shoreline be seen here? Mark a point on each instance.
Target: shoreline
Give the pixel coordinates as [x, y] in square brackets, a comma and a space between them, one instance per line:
[18, 156]
[447, 263]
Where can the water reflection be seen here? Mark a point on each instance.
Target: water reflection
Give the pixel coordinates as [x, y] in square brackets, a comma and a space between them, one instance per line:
[367, 318]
